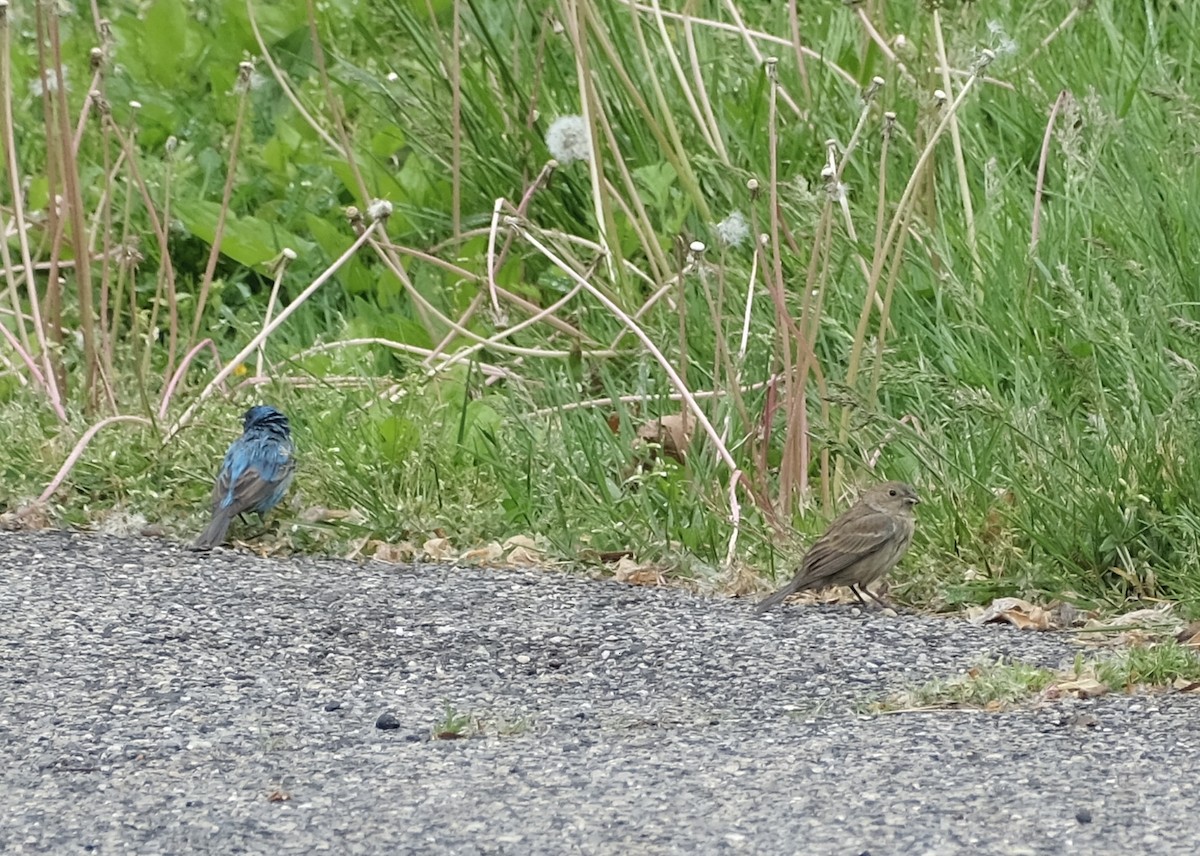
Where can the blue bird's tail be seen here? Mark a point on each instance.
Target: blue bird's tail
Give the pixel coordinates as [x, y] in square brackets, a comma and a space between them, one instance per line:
[214, 534]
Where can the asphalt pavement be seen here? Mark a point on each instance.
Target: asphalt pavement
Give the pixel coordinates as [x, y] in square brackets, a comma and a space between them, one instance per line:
[156, 700]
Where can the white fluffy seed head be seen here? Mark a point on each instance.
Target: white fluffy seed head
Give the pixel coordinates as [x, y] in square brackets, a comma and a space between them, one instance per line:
[569, 140]
[733, 230]
[379, 209]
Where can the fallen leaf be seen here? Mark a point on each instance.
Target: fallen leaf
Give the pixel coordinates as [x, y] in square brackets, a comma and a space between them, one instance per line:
[393, 554]
[28, 518]
[317, 514]
[672, 432]
[629, 571]
[1084, 686]
[1184, 685]
[484, 555]
[1020, 613]
[438, 550]
[1189, 635]
[1158, 619]
[521, 541]
[525, 558]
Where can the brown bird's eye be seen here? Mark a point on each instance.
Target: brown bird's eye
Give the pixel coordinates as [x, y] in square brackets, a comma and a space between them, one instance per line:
[892, 492]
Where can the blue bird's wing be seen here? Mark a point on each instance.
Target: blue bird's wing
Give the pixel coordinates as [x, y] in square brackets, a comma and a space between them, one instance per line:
[254, 476]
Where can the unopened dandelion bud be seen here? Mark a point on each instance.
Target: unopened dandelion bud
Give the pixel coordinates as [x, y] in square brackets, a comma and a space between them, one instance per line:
[939, 96]
[986, 56]
[289, 254]
[96, 58]
[245, 70]
[171, 144]
[135, 105]
[697, 247]
[771, 65]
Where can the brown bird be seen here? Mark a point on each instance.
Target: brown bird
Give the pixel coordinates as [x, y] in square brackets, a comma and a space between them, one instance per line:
[860, 546]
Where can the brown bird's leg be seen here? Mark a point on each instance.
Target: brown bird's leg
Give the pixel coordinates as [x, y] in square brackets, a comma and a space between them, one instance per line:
[860, 591]
[883, 603]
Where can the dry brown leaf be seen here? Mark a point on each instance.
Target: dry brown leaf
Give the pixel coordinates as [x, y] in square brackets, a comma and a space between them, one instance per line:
[523, 557]
[1184, 685]
[485, 555]
[317, 514]
[394, 554]
[27, 518]
[629, 571]
[673, 432]
[1189, 635]
[1158, 619]
[1084, 686]
[521, 541]
[1020, 613]
[438, 550]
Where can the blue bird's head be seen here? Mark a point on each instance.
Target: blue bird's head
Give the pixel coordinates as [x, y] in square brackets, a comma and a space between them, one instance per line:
[265, 418]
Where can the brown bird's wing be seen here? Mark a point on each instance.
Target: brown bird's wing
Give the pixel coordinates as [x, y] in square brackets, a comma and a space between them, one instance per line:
[858, 534]
[850, 540]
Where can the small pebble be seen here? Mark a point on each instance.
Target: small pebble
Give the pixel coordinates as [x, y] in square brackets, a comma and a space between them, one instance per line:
[387, 722]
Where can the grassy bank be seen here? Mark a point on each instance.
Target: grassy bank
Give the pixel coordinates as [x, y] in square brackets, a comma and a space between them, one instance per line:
[974, 273]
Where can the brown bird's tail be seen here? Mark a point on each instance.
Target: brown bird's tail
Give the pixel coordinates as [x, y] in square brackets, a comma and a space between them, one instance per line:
[214, 534]
[777, 598]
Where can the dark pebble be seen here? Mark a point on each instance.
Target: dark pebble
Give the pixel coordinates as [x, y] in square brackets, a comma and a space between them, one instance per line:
[387, 722]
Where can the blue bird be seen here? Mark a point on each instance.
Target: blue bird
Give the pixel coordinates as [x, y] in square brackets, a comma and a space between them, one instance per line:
[255, 475]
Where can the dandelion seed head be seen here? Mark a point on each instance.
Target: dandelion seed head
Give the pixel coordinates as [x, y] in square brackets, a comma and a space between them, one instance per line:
[379, 209]
[1002, 43]
[569, 140]
[47, 82]
[733, 230]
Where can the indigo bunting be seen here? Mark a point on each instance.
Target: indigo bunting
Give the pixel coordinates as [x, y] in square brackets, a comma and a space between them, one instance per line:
[255, 474]
[860, 546]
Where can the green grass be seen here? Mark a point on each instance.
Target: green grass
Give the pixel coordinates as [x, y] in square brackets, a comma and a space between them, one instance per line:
[1005, 685]
[1042, 399]
[986, 686]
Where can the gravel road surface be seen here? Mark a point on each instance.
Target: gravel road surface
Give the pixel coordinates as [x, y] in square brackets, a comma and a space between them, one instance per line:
[154, 700]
